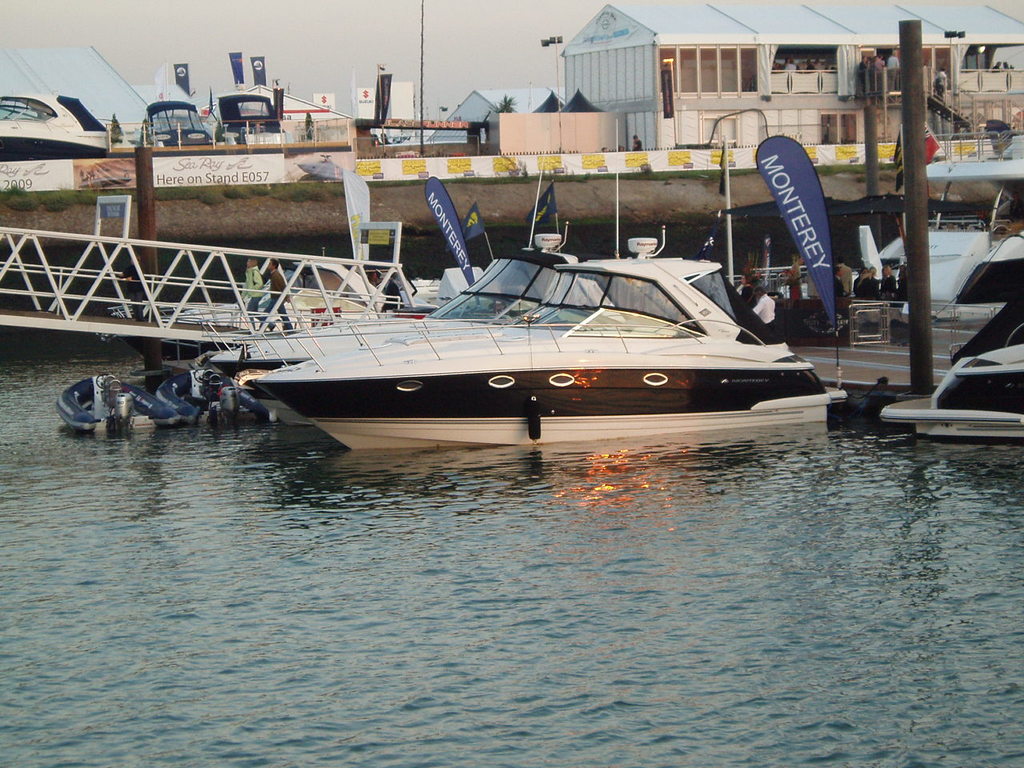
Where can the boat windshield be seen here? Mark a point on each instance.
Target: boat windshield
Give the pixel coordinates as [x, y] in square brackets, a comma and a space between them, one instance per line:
[508, 290]
[173, 119]
[254, 110]
[13, 108]
[601, 304]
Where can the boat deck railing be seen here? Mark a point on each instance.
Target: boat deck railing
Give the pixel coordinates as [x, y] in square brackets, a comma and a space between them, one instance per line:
[76, 282]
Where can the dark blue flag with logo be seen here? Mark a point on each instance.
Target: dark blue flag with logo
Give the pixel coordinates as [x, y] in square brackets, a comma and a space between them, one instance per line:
[546, 207]
[236, 67]
[181, 78]
[473, 224]
[441, 205]
[259, 70]
[794, 183]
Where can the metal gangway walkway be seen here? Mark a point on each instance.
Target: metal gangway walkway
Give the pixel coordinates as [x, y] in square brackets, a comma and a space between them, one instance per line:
[74, 282]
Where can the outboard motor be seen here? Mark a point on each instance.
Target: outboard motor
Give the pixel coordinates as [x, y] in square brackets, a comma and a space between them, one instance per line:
[229, 404]
[121, 415]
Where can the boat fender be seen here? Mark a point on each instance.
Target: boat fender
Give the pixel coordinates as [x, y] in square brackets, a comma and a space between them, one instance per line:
[532, 409]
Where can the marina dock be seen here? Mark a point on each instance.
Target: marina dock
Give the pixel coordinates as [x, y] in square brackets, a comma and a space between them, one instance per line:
[861, 365]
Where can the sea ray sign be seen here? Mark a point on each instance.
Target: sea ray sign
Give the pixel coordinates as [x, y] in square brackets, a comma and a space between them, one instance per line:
[796, 188]
[441, 205]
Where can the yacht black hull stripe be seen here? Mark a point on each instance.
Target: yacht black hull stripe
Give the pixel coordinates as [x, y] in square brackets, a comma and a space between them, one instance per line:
[596, 392]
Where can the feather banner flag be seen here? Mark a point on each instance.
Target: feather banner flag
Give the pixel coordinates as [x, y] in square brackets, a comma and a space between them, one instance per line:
[793, 182]
[441, 205]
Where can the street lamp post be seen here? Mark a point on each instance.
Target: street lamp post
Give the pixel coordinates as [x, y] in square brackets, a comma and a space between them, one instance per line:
[556, 40]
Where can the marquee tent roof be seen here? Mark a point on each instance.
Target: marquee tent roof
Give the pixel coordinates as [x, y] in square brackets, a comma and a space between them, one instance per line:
[617, 26]
[78, 72]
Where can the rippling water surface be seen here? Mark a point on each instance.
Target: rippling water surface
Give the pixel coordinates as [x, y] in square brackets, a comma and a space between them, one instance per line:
[261, 597]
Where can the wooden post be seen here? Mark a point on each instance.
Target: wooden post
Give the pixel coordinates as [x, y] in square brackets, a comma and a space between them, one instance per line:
[145, 211]
[915, 239]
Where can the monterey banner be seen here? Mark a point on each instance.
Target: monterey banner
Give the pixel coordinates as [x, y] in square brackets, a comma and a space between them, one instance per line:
[794, 183]
[441, 205]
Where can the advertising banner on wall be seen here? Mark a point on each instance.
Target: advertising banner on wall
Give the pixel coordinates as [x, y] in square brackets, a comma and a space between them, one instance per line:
[202, 170]
[37, 176]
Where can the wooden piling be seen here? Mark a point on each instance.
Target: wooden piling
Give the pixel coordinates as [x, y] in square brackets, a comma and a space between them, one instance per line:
[915, 180]
[145, 211]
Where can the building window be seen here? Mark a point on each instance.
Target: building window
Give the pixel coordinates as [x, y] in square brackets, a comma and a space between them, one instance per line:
[829, 128]
[688, 70]
[848, 128]
[709, 70]
[730, 71]
[748, 70]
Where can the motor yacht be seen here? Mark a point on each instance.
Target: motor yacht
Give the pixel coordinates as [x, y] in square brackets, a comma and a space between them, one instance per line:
[619, 348]
[982, 395]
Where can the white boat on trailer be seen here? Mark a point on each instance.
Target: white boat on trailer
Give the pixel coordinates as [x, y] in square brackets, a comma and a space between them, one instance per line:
[620, 348]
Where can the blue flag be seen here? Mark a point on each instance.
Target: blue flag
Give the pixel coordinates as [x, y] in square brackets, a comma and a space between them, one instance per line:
[259, 70]
[794, 183]
[706, 250]
[441, 205]
[546, 207]
[473, 224]
[236, 67]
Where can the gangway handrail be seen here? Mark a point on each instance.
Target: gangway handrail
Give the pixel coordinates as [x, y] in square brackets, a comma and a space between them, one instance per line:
[32, 276]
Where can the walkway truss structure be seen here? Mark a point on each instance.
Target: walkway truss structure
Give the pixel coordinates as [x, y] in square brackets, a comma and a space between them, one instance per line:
[71, 282]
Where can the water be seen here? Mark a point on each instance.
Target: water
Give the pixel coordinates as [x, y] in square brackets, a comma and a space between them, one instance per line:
[261, 597]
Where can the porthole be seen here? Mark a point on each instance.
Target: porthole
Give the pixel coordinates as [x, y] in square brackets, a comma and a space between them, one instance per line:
[501, 382]
[562, 379]
[409, 385]
[655, 379]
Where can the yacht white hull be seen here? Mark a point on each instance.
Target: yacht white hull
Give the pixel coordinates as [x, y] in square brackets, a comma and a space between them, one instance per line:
[386, 433]
[962, 424]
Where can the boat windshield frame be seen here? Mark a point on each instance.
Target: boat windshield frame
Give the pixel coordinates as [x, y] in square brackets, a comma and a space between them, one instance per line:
[508, 290]
[177, 118]
[579, 296]
[23, 108]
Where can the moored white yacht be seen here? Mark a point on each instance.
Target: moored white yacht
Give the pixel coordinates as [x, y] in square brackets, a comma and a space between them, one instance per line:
[619, 348]
[982, 395]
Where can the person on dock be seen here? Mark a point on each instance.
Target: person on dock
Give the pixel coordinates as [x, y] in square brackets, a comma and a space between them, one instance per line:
[277, 294]
[253, 285]
[867, 286]
[888, 284]
[134, 291]
[845, 277]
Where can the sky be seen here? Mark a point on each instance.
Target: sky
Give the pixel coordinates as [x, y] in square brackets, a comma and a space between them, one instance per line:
[313, 46]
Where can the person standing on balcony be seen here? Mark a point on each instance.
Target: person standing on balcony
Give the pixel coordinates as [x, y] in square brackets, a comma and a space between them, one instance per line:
[892, 64]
